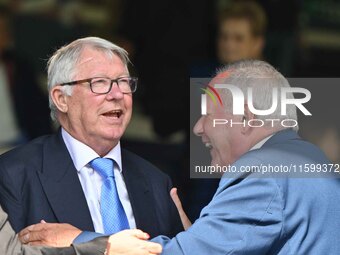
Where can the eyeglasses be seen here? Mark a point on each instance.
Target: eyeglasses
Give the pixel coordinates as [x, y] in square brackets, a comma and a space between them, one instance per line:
[102, 85]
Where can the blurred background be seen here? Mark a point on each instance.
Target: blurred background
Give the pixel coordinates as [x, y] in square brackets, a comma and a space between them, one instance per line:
[168, 41]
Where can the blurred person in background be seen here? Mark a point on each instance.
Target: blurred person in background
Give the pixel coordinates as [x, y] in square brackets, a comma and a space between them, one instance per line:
[241, 32]
[23, 105]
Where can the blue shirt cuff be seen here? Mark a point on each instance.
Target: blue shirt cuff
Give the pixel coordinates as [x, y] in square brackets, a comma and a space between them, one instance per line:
[86, 236]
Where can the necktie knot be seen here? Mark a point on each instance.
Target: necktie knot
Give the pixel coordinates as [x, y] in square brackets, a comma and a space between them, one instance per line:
[103, 166]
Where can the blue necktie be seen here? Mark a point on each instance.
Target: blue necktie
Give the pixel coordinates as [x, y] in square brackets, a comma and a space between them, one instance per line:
[112, 211]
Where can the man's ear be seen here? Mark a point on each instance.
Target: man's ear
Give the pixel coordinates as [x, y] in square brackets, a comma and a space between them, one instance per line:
[248, 115]
[59, 98]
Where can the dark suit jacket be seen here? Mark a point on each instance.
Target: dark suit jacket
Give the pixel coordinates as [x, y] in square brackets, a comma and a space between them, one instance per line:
[39, 181]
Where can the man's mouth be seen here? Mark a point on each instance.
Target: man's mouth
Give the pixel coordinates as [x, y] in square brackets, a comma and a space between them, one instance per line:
[113, 114]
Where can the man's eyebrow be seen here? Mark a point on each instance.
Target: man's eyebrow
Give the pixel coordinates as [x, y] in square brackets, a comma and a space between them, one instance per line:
[101, 75]
[124, 75]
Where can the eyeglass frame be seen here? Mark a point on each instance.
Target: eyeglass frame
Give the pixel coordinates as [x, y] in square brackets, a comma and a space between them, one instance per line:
[89, 80]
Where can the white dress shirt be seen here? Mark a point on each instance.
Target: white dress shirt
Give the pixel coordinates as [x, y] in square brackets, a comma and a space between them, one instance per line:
[260, 143]
[91, 181]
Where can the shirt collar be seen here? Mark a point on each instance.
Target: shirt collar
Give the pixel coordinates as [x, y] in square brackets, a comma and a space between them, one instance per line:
[260, 143]
[82, 154]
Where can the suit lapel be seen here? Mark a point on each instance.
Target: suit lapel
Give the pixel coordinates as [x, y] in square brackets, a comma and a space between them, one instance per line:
[140, 195]
[62, 187]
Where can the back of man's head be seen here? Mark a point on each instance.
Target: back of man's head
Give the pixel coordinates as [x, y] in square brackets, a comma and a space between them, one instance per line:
[262, 83]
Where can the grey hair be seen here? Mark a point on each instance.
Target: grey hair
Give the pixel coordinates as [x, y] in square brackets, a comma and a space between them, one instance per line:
[61, 66]
[262, 78]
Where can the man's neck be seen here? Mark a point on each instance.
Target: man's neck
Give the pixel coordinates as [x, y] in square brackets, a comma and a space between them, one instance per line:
[100, 147]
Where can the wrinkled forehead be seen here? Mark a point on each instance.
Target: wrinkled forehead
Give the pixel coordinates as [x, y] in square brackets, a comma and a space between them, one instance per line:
[92, 59]
[91, 54]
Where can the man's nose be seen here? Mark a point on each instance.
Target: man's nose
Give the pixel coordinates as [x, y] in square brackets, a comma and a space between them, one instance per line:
[198, 128]
[115, 93]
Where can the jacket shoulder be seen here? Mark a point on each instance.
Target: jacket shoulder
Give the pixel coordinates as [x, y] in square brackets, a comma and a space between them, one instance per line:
[290, 151]
[24, 154]
[146, 167]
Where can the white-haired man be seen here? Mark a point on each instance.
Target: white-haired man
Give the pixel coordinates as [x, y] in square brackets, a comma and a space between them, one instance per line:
[250, 213]
[81, 177]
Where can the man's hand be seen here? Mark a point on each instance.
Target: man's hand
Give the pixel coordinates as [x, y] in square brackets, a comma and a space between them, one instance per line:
[184, 218]
[49, 234]
[132, 242]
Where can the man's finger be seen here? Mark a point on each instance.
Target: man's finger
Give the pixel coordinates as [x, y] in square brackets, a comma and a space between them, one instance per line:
[154, 248]
[27, 230]
[32, 237]
[184, 218]
[36, 227]
[108, 248]
[41, 226]
[175, 198]
[34, 230]
[23, 232]
[24, 238]
[140, 234]
[36, 243]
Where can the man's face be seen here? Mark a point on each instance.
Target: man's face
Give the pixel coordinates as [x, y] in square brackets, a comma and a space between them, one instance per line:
[225, 142]
[96, 118]
[236, 42]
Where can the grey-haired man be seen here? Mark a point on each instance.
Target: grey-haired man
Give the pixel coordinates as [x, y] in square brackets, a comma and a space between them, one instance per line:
[81, 176]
